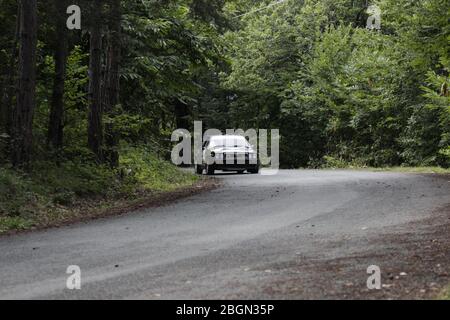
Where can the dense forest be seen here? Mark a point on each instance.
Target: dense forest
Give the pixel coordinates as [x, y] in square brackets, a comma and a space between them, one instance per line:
[91, 111]
[342, 94]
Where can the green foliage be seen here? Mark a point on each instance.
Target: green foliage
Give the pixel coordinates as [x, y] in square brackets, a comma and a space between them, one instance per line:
[16, 193]
[168, 49]
[339, 93]
[445, 295]
[438, 103]
[329, 162]
[309, 68]
[13, 223]
[48, 192]
[144, 168]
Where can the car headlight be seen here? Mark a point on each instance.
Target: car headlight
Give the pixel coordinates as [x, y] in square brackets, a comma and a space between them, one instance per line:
[219, 156]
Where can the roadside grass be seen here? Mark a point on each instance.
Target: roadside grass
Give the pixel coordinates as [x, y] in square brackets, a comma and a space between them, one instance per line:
[445, 295]
[426, 170]
[336, 163]
[48, 194]
[437, 170]
[333, 163]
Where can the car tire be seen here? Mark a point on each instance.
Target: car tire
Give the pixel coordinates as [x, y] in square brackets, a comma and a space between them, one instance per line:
[253, 171]
[209, 170]
[240, 171]
[198, 169]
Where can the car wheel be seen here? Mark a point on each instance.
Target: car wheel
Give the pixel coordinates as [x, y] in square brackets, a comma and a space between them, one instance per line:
[254, 171]
[209, 170]
[240, 171]
[198, 169]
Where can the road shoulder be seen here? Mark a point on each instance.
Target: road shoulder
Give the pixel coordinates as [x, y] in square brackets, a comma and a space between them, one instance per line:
[414, 259]
[103, 209]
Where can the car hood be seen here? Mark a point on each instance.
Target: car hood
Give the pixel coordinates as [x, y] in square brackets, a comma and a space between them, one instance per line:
[232, 150]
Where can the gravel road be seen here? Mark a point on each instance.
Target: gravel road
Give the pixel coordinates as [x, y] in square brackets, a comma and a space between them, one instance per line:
[295, 235]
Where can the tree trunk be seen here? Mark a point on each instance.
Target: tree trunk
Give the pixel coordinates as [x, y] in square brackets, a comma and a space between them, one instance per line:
[22, 120]
[112, 81]
[181, 115]
[55, 126]
[10, 83]
[95, 125]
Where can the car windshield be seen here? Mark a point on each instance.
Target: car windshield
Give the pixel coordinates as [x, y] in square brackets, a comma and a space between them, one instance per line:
[229, 141]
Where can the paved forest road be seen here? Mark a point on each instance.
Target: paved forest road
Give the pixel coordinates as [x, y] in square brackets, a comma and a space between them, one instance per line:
[299, 234]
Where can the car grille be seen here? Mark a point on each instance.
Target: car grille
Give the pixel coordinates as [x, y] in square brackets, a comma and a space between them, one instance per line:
[236, 158]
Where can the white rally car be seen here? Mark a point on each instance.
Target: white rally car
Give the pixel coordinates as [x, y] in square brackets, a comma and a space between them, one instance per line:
[228, 153]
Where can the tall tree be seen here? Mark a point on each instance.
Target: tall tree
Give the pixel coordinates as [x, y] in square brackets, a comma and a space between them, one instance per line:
[22, 130]
[95, 125]
[112, 80]
[9, 84]
[55, 127]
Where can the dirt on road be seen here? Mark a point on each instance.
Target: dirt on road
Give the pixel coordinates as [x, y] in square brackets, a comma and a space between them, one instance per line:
[414, 260]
